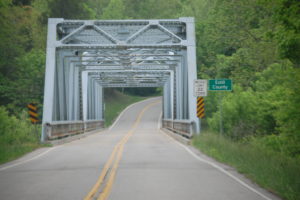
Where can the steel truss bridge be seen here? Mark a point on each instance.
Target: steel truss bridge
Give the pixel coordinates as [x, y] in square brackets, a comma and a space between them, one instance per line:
[85, 56]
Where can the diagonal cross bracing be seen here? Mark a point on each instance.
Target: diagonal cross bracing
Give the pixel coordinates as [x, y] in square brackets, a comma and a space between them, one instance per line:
[85, 56]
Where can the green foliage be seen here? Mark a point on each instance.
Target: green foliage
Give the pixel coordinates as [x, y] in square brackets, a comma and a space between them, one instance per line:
[156, 9]
[95, 8]
[5, 3]
[211, 104]
[256, 44]
[288, 31]
[239, 114]
[28, 84]
[16, 131]
[17, 136]
[271, 107]
[114, 10]
[68, 9]
[270, 169]
[17, 40]
[21, 75]
[278, 87]
[277, 143]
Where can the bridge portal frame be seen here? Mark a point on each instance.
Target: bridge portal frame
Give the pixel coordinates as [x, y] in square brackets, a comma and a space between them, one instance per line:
[66, 35]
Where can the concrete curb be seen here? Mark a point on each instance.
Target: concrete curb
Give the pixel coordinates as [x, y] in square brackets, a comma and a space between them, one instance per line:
[74, 137]
[177, 137]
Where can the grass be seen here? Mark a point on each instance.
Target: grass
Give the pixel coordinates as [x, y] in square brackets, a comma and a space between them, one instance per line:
[115, 102]
[273, 171]
[12, 152]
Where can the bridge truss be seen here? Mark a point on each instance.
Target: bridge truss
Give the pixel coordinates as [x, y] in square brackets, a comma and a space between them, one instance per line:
[85, 56]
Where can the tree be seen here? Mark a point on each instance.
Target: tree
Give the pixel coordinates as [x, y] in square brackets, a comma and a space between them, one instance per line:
[95, 8]
[20, 33]
[68, 9]
[156, 9]
[288, 33]
[114, 10]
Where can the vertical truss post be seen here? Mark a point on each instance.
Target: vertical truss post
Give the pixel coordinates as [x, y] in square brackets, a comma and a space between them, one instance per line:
[50, 72]
[184, 76]
[84, 94]
[76, 94]
[61, 85]
[88, 115]
[100, 101]
[172, 106]
[71, 93]
[92, 99]
[178, 93]
[165, 101]
[96, 100]
[192, 70]
[169, 106]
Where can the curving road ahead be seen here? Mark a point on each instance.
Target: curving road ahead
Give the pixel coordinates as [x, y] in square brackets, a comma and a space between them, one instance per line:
[133, 160]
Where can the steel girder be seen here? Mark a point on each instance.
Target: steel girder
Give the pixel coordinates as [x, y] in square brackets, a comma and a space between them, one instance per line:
[83, 56]
[143, 78]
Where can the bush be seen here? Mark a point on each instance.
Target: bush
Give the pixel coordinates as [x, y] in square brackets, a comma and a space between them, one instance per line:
[16, 131]
[240, 114]
[17, 136]
[270, 108]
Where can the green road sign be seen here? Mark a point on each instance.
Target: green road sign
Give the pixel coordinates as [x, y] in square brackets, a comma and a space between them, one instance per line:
[220, 85]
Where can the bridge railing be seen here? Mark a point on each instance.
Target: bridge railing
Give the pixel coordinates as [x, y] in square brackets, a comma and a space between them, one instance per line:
[93, 125]
[182, 127]
[59, 129]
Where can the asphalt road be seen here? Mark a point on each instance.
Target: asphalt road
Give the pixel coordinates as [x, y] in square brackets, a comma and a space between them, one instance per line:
[133, 160]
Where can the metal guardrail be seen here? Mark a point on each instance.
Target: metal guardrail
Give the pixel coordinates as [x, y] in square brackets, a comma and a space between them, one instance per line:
[182, 127]
[60, 129]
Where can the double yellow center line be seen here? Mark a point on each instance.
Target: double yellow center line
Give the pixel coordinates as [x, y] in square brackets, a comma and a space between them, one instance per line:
[108, 172]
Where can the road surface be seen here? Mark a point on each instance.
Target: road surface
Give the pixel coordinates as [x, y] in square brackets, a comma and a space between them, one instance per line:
[133, 160]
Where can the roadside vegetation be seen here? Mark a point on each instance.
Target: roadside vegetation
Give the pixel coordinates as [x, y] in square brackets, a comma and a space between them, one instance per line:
[270, 169]
[256, 43]
[17, 136]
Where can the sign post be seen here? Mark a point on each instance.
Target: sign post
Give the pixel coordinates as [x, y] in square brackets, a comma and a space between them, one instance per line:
[220, 85]
[200, 91]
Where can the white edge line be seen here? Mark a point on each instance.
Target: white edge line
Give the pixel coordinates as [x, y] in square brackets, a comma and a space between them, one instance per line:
[214, 165]
[25, 161]
[120, 115]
